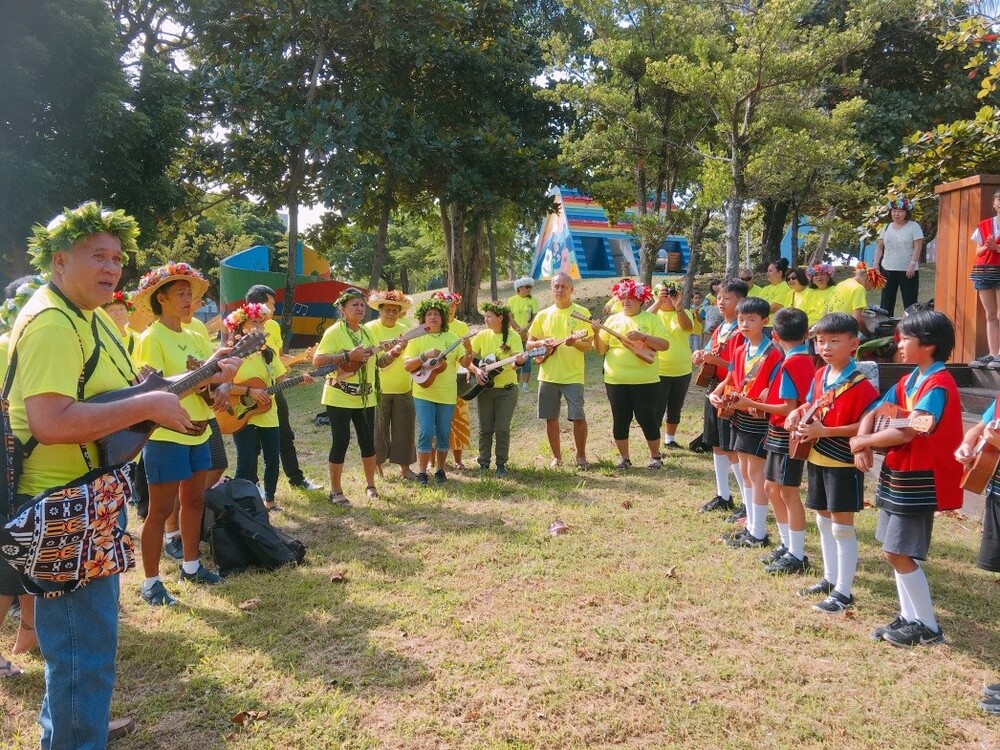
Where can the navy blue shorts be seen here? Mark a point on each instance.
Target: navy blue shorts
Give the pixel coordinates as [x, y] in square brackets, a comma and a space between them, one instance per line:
[171, 462]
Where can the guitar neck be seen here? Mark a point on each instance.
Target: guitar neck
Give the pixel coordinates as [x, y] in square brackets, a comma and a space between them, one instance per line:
[286, 383]
[193, 380]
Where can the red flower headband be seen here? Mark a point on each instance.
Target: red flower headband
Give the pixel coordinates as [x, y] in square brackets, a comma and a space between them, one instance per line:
[122, 298]
[627, 288]
[875, 278]
[452, 298]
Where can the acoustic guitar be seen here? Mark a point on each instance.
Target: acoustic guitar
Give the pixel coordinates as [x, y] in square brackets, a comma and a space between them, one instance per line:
[978, 474]
[235, 416]
[799, 447]
[549, 351]
[351, 366]
[492, 367]
[639, 349]
[427, 373]
[125, 444]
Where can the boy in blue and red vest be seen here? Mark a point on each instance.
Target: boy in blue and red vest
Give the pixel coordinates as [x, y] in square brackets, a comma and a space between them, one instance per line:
[836, 486]
[920, 474]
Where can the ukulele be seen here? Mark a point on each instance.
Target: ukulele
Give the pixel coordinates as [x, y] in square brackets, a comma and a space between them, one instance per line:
[799, 447]
[639, 349]
[730, 395]
[707, 370]
[290, 360]
[427, 373]
[351, 366]
[124, 445]
[549, 351]
[492, 368]
[978, 474]
[235, 416]
[889, 416]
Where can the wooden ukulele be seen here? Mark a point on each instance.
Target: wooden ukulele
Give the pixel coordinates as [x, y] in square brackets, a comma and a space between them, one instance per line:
[492, 367]
[707, 370]
[125, 444]
[351, 366]
[235, 416]
[798, 447]
[730, 395]
[890, 416]
[427, 373]
[639, 349]
[290, 360]
[978, 474]
[549, 351]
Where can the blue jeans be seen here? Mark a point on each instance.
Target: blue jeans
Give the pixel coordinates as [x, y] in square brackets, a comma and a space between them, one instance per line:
[433, 420]
[246, 455]
[78, 637]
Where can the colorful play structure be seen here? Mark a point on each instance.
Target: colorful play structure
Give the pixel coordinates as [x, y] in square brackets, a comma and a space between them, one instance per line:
[315, 291]
[577, 239]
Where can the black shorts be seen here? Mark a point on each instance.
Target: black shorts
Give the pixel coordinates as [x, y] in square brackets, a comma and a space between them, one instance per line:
[989, 547]
[781, 469]
[10, 580]
[217, 447]
[751, 443]
[835, 489]
[718, 431]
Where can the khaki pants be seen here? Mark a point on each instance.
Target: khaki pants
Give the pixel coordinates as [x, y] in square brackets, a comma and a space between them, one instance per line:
[496, 410]
[395, 423]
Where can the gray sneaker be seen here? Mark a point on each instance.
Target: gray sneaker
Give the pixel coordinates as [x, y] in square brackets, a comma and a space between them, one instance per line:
[203, 575]
[174, 548]
[157, 595]
[990, 706]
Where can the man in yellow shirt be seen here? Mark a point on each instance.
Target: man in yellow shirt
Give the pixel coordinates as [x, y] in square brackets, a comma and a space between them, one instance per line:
[262, 294]
[851, 295]
[561, 374]
[523, 309]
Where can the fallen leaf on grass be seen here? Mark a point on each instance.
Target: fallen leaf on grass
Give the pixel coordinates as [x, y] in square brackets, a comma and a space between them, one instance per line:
[246, 718]
[670, 571]
[339, 577]
[626, 504]
[249, 605]
[957, 515]
[559, 527]
[849, 614]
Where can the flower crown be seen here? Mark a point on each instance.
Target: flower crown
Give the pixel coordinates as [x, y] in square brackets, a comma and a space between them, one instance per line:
[902, 203]
[875, 278]
[250, 311]
[347, 295]
[628, 288]
[819, 268]
[122, 297]
[496, 307]
[162, 273]
[390, 297]
[72, 225]
[434, 303]
[452, 298]
[10, 308]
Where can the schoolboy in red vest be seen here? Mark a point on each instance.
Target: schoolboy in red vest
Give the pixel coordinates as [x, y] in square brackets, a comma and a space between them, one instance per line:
[836, 486]
[720, 351]
[754, 366]
[782, 474]
[920, 474]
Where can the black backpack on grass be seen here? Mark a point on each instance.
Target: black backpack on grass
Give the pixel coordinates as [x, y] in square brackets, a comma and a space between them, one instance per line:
[237, 529]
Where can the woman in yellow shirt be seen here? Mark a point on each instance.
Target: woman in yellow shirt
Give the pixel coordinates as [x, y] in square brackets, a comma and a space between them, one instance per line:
[776, 292]
[119, 309]
[460, 439]
[821, 289]
[176, 463]
[632, 385]
[350, 394]
[435, 403]
[497, 403]
[674, 361]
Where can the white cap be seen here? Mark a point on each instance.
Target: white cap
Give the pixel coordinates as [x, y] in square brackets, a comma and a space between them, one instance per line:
[524, 281]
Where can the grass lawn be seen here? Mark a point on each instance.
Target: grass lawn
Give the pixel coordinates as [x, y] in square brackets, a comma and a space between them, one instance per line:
[463, 624]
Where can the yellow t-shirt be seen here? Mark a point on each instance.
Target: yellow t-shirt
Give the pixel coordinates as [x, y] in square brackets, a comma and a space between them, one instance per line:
[697, 324]
[816, 302]
[444, 389]
[756, 291]
[458, 327]
[566, 365]
[522, 309]
[487, 342]
[254, 366]
[272, 330]
[394, 378]
[339, 338]
[676, 360]
[198, 327]
[847, 296]
[4, 350]
[777, 293]
[622, 367]
[613, 306]
[49, 360]
[167, 351]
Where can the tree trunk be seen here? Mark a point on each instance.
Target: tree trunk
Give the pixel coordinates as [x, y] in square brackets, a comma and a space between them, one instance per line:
[734, 211]
[795, 235]
[510, 266]
[404, 280]
[824, 238]
[382, 236]
[699, 222]
[775, 215]
[494, 294]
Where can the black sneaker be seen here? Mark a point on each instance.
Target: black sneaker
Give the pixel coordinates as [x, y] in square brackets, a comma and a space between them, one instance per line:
[822, 586]
[913, 634]
[778, 553]
[203, 575]
[878, 634]
[174, 548]
[623, 465]
[717, 503]
[990, 706]
[992, 691]
[157, 595]
[675, 446]
[501, 470]
[440, 476]
[788, 564]
[746, 540]
[983, 361]
[835, 603]
[422, 478]
[739, 515]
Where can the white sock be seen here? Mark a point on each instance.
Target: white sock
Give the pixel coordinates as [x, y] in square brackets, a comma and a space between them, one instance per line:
[783, 533]
[191, 567]
[148, 583]
[745, 495]
[828, 546]
[759, 520]
[919, 591]
[168, 535]
[797, 543]
[721, 464]
[847, 557]
[906, 610]
[668, 439]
